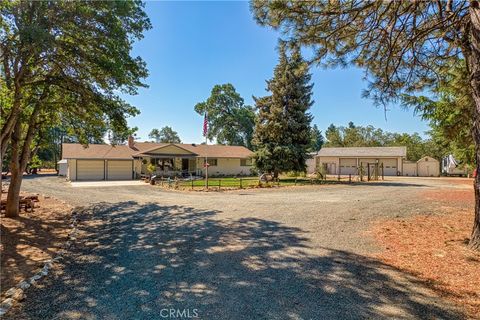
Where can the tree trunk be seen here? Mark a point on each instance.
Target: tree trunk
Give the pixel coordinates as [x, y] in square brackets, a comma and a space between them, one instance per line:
[474, 65]
[21, 155]
[13, 197]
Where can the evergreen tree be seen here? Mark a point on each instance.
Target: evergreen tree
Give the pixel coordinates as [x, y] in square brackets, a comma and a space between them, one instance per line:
[316, 139]
[282, 131]
[334, 136]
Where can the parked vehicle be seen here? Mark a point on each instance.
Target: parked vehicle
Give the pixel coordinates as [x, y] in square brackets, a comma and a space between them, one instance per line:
[451, 167]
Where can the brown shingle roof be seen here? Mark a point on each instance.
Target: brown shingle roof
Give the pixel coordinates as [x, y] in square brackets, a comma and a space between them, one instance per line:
[95, 151]
[106, 151]
[363, 152]
[218, 151]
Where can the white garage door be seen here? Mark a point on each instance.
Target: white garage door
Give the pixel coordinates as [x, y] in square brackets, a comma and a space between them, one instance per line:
[348, 166]
[119, 169]
[390, 167]
[90, 170]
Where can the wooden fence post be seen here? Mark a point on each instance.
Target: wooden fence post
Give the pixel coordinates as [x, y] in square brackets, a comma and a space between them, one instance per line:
[219, 184]
[295, 181]
[350, 178]
[240, 183]
[192, 183]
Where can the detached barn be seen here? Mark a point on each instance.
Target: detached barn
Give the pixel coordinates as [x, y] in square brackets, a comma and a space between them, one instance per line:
[348, 160]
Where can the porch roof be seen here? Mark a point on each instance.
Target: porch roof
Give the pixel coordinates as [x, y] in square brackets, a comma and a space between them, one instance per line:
[165, 156]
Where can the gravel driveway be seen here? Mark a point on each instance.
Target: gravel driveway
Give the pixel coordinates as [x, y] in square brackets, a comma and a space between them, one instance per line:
[288, 253]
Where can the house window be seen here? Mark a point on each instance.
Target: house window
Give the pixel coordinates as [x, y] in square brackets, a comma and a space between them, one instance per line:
[245, 162]
[213, 162]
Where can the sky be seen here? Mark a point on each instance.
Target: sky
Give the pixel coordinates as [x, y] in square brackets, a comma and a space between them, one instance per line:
[193, 46]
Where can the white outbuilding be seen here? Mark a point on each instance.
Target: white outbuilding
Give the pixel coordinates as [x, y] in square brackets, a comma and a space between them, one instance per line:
[62, 167]
[348, 160]
[428, 167]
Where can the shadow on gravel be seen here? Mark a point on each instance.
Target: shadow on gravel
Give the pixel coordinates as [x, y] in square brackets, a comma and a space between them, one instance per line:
[133, 261]
[39, 176]
[391, 184]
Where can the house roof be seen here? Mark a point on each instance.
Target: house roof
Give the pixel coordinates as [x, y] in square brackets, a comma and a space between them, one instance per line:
[95, 151]
[106, 151]
[422, 159]
[363, 152]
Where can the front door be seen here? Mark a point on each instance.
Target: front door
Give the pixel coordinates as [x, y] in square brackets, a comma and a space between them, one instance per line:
[184, 164]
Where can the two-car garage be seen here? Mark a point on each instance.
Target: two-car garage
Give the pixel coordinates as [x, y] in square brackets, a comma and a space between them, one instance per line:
[93, 169]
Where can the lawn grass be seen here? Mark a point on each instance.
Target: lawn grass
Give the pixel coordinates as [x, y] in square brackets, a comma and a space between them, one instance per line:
[241, 182]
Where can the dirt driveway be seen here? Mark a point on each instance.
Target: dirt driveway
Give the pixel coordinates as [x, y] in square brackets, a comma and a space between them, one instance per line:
[288, 253]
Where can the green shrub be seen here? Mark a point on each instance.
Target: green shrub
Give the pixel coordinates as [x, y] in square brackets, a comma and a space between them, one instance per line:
[151, 168]
[294, 174]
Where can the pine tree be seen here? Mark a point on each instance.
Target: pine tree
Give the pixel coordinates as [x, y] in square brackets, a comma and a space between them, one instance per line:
[316, 139]
[282, 131]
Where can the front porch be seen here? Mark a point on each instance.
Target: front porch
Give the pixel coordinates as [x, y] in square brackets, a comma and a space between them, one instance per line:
[170, 166]
[168, 161]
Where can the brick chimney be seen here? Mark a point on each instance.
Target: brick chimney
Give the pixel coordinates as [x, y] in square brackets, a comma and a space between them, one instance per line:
[131, 142]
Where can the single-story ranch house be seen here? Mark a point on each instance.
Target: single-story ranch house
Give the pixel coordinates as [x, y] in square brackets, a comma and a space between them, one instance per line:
[347, 160]
[126, 162]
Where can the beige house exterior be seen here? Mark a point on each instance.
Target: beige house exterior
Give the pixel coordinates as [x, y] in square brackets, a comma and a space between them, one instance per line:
[127, 162]
[348, 160]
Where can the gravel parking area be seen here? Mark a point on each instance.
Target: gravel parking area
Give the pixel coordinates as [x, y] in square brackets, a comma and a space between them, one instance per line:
[288, 253]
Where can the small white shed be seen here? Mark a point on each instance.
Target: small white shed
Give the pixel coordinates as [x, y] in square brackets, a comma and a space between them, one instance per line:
[62, 167]
[428, 167]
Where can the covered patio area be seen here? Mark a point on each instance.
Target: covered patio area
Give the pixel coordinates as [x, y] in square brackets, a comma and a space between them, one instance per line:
[170, 166]
[169, 161]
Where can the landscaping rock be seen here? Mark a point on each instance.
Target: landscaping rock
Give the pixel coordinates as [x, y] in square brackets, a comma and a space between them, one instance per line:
[6, 304]
[10, 292]
[23, 285]
[35, 278]
[18, 295]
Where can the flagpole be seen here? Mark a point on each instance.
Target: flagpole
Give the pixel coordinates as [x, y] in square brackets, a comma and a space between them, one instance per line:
[206, 165]
[206, 156]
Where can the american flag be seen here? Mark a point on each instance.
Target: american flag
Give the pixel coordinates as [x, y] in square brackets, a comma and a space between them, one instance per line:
[205, 124]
